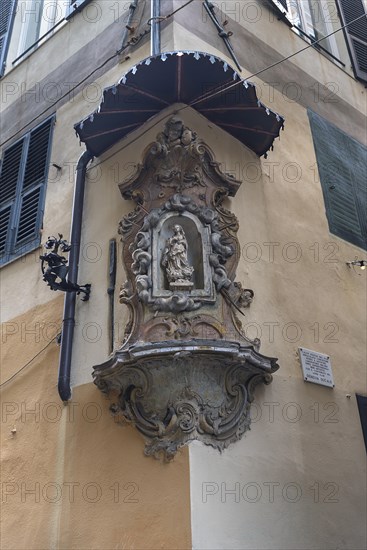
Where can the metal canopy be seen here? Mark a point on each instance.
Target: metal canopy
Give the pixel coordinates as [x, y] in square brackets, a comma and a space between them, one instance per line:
[181, 77]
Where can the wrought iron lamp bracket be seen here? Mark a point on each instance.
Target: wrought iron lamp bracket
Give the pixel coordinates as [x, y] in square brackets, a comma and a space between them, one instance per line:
[55, 269]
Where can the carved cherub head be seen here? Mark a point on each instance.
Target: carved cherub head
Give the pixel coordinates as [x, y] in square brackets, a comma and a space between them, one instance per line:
[173, 129]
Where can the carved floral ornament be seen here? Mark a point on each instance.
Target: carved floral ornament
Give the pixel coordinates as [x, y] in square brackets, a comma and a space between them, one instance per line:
[185, 369]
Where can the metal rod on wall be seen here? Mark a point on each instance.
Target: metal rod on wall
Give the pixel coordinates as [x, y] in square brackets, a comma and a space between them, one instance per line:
[155, 37]
[111, 291]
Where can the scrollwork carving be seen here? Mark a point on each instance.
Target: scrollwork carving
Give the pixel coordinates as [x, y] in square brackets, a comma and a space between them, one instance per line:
[185, 370]
[142, 254]
[177, 156]
[207, 404]
[181, 326]
[128, 221]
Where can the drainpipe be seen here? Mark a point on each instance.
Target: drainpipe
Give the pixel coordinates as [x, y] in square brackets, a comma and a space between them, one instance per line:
[70, 297]
[155, 38]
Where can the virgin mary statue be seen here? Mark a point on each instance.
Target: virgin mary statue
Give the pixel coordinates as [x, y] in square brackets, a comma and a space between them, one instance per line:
[174, 260]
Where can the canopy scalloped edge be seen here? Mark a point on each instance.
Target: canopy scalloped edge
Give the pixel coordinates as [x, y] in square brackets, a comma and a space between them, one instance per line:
[137, 97]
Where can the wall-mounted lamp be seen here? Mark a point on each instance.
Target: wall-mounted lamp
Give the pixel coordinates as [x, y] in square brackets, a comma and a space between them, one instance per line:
[55, 269]
[362, 264]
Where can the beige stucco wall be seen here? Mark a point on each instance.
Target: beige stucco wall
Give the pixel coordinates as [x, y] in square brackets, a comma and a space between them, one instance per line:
[71, 477]
[293, 482]
[305, 438]
[65, 151]
[305, 295]
[297, 303]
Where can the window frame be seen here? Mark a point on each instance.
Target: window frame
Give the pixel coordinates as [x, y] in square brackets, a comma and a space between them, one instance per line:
[332, 52]
[43, 30]
[14, 249]
[310, 28]
[75, 7]
[6, 37]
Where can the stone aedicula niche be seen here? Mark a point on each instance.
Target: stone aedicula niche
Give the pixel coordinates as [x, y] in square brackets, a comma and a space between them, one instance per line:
[185, 369]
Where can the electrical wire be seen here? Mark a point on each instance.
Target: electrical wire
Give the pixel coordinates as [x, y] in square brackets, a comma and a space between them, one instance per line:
[158, 122]
[131, 42]
[28, 363]
[60, 98]
[221, 90]
[284, 58]
[214, 94]
[164, 17]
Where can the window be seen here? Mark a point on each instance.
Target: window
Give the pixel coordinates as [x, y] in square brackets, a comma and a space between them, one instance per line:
[341, 162]
[355, 34]
[7, 13]
[312, 19]
[316, 19]
[23, 177]
[38, 18]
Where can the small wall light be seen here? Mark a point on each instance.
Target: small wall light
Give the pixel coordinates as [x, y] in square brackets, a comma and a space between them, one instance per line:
[362, 264]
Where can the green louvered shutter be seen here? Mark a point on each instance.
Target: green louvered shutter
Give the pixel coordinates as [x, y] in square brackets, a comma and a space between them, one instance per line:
[32, 197]
[355, 34]
[342, 163]
[22, 184]
[9, 186]
[7, 11]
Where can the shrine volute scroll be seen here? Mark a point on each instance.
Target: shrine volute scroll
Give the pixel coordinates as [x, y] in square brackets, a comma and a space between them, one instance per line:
[185, 369]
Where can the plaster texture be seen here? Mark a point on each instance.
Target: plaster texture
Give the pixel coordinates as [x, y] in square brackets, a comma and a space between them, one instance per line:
[72, 476]
[305, 295]
[292, 482]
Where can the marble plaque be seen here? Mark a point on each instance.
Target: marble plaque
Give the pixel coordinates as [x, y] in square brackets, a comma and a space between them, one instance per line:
[316, 367]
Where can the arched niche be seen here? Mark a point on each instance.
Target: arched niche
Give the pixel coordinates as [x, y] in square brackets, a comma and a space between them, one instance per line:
[198, 251]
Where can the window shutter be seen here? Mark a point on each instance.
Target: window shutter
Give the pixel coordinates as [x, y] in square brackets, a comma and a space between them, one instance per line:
[34, 179]
[36, 165]
[75, 7]
[28, 219]
[355, 35]
[4, 224]
[23, 183]
[6, 22]
[9, 184]
[341, 162]
[362, 408]
[10, 171]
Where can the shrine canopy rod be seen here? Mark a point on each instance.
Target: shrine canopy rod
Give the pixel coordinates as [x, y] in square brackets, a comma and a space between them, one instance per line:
[128, 27]
[209, 7]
